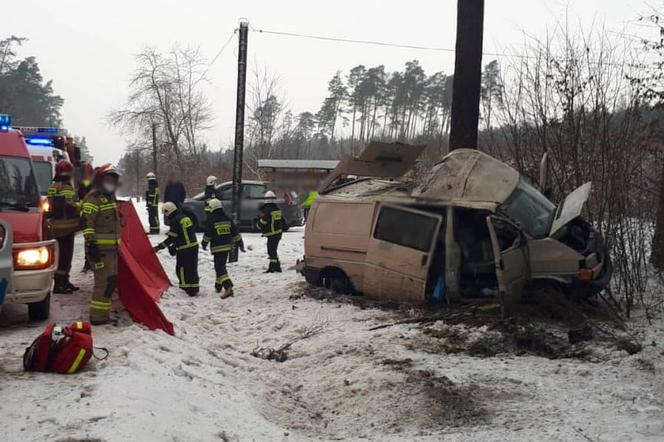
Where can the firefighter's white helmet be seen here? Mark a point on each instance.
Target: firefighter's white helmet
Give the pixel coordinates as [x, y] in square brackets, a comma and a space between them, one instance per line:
[211, 180]
[168, 208]
[151, 176]
[269, 195]
[214, 204]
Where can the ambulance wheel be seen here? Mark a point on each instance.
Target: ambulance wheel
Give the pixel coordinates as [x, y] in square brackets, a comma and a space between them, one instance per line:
[40, 311]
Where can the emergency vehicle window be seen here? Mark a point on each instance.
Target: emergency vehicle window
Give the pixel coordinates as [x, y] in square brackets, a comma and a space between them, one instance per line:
[44, 172]
[17, 182]
[405, 228]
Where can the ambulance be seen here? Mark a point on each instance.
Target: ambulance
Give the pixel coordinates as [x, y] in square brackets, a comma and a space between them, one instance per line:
[47, 146]
[34, 258]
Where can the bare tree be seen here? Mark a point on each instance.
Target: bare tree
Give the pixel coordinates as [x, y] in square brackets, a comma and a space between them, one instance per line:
[166, 90]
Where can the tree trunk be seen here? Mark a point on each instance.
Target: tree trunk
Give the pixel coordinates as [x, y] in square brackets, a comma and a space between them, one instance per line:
[657, 252]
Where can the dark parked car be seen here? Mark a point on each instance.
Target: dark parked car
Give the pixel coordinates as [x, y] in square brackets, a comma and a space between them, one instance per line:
[252, 198]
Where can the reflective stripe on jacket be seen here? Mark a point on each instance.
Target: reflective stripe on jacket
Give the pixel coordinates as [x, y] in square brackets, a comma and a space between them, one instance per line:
[221, 232]
[101, 219]
[182, 234]
[64, 211]
[271, 220]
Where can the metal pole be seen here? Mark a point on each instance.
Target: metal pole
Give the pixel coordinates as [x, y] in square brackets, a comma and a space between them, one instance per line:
[467, 74]
[239, 126]
[138, 159]
[154, 149]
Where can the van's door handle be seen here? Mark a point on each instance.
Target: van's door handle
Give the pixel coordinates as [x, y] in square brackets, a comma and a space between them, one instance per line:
[424, 259]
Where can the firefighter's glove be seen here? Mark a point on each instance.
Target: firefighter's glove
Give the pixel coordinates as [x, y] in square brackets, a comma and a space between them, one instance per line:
[93, 252]
[172, 250]
[159, 247]
[241, 247]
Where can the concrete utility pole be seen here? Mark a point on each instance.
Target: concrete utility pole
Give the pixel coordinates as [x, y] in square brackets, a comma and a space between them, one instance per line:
[467, 74]
[239, 126]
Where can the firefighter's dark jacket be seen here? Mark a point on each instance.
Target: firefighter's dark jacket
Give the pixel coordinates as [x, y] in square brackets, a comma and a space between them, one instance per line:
[271, 220]
[210, 192]
[182, 234]
[152, 194]
[220, 232]
[64, 210]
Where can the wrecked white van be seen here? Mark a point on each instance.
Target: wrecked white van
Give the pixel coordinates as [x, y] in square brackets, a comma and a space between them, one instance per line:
[472, 228]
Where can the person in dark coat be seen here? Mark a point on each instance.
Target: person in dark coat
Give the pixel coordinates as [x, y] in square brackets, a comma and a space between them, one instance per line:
[174, 193]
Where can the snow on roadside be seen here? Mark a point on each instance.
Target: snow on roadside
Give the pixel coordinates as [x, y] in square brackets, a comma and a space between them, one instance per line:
[343, 382]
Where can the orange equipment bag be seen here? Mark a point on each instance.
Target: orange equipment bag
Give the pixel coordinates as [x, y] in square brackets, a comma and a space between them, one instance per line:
[63, 350]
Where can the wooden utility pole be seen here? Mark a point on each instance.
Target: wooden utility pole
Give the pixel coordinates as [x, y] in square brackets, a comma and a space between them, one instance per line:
[154, 149]
[239, 127]
[467, 74]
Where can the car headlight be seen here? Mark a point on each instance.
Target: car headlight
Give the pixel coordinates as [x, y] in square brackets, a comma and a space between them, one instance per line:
[33, 258]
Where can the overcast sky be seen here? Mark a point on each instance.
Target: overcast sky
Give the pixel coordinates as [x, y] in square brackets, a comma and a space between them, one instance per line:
[87, 47]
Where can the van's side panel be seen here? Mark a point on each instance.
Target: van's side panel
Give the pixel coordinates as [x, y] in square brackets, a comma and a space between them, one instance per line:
[336, 235]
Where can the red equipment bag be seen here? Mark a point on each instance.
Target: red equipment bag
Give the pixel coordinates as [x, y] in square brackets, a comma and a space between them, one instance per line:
[60, 350]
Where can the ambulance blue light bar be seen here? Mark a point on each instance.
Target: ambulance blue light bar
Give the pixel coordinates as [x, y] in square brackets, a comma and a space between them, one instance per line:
[5, 122]
[36, 141]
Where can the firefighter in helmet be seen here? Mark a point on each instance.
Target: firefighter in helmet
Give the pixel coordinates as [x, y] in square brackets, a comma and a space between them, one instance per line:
[102, 238]
[152, 202]
[64, 222]
[270, 223]
[210, 191]
[181, 242]
[221, 234]
[85, 185]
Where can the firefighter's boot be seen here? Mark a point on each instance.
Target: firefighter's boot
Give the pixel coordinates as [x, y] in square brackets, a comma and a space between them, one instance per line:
[228, 292]
[61, 285]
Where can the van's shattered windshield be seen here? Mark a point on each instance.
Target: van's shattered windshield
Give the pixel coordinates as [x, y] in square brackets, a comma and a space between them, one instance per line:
[532, 210]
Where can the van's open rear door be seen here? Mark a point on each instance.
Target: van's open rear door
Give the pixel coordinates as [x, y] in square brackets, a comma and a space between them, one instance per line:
[379, 160]
[399, 254]
[512, 267]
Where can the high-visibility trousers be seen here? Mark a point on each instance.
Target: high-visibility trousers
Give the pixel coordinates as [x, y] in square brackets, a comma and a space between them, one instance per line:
[186, 267]
[272, 251]
[153, 218]
[106, 281]
[222, 279]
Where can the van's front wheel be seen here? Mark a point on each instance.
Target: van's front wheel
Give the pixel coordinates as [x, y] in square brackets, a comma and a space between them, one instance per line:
[40, 311]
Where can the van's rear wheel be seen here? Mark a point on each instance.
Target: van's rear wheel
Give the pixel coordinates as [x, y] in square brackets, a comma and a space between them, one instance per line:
[338, 282]
[40, 311]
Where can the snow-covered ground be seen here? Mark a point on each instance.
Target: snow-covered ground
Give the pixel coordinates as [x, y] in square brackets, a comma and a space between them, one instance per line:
[404, 382]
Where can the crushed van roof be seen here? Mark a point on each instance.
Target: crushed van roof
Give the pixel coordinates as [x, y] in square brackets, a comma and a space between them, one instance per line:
[471, 176]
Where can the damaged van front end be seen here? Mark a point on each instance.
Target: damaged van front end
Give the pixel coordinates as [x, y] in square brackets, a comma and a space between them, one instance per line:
[564, 248]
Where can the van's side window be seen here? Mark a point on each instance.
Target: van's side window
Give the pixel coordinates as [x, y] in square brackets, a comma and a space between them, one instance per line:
[405, 228]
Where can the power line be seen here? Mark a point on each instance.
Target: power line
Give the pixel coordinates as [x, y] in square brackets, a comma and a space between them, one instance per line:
[423, 48]
[378, 43]
[223, 47]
